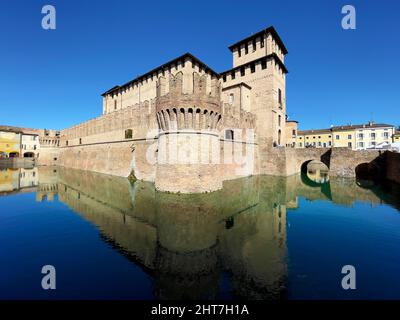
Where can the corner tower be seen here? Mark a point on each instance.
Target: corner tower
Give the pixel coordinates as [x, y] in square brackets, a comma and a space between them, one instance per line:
[188, 141]
[258, 63]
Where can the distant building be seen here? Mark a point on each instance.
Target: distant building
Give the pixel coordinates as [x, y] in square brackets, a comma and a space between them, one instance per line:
[321, 138]
[10, 142]
[356, 137]
[19, 142]
[396, 136]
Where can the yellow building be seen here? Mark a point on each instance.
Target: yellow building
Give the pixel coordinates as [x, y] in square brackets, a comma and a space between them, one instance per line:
[356, 137]
[343, 137]
[396, 136]
[321, 138]
[10, 143]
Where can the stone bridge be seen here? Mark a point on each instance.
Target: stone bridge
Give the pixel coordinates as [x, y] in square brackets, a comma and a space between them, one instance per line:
[340, 161]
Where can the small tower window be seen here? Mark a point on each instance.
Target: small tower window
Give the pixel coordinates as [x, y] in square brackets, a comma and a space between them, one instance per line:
[280, 96]
[262, 42]
[253, 68]
[254, 45]
[229, 134]
[224, 77]
[239, 52]
[115, 104]
[128, 134]
[233, 75]
[231, 98]
[246, 49]
[242, 72]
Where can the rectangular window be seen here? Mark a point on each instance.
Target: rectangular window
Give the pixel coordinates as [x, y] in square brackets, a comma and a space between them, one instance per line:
[361, 144]
[373, 135]
[293, 132]
[349, 144]
[239, 52]
[233, 75]
[246, 49]
[329, 143]
[224, 78]
[229, 134]
[386, 135]
[253, 68]
[337, 137]
[279, 96]
[300, 144]
[349, 136]
[360, 136]
[319, 144]
[128, 134]
[262, 42]
[254, 45]
[242, 72]
[231, 98]
[66, 143]
[263, 64]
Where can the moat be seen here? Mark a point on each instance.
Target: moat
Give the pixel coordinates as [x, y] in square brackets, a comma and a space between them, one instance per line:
[259, 237]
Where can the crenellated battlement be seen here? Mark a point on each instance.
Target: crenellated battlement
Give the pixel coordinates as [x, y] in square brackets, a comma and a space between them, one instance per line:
[197, 110]
[140, 115]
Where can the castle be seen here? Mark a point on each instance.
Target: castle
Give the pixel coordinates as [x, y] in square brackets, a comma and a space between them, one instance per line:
[184, 126]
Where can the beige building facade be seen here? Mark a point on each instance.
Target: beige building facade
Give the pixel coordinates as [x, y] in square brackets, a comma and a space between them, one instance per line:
[355, 137]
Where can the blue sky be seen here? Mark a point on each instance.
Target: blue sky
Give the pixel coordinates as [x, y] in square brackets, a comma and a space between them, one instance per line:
[53, 79]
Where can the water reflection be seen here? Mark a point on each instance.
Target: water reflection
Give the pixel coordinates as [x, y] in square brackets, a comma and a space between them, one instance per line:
[18, 180]
[317, 172]
[189, 243]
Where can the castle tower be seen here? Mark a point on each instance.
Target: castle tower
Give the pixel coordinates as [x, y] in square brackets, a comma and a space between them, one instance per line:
[188, 142]
[256, 83]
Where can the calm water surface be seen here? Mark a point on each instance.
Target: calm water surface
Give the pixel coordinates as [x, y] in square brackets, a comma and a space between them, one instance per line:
[258, 238]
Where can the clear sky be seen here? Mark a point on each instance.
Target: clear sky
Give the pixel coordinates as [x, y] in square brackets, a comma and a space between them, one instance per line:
[54, 78]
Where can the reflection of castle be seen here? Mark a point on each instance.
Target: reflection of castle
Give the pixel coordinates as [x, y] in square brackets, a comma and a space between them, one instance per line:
[189, 242]
[186, 242]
